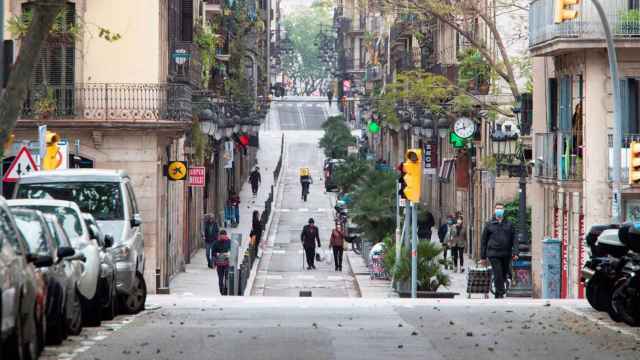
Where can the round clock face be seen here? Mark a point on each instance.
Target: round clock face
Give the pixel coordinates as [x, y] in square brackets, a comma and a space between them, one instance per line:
[464, 128]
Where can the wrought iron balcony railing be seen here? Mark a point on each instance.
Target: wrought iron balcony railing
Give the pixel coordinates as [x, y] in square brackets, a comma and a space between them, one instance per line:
[559, 156]
[623, 16]
[186, 65]
[109, 102]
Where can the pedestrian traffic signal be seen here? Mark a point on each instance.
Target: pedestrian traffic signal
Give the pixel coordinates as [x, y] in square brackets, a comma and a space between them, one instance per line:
[50, 161]
[562, 11]
[411, 175]
[634, 163]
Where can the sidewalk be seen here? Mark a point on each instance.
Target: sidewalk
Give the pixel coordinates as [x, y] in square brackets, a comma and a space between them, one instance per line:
[197, 274]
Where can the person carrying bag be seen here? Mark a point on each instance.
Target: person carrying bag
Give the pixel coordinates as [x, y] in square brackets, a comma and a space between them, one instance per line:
[221, 254]
[336, 243]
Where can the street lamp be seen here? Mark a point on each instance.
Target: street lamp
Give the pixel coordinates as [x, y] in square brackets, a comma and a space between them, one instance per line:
[443, 127]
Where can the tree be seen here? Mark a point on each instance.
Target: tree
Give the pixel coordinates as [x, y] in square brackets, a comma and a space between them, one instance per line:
[303, 28]
[337, 138]
[12, 100]
[456, 14]
[374, 201]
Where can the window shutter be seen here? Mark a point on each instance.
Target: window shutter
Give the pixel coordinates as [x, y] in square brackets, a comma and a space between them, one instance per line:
[624, 95]
[565, 103]
[187, 20]
[552, 105]
[633, 106]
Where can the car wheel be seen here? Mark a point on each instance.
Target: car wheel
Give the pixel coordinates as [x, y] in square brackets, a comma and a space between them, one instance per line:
[134, 302]
[109, 312]
[74, 322]
[41, 332]
[31, 346]
[58, 332]
[91, 310]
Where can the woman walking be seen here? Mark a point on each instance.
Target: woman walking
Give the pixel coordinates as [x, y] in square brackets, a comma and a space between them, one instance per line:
[337, 244]
[221, 254]
[457, 242]
[256, 229]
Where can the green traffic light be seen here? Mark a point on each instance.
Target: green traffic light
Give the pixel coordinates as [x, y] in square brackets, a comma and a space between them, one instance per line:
[373, 127]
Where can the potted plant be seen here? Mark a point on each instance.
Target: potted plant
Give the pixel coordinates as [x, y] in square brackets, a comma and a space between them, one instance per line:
[45, 105]
[430, 270]
[473, 72]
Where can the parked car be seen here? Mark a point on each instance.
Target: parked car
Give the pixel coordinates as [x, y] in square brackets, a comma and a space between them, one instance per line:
[107, 195]
[73, 266]
[70, 216]
[330, 165]
[107, 283]
[22, 296]
[36, 232]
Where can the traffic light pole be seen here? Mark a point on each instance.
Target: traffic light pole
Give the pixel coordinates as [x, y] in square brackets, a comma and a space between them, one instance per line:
[398, 240]
[414, 250]
[617, 115]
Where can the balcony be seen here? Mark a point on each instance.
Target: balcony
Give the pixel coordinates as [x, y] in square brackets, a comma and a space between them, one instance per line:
[358, 27]
[186, 66]
[108, 102]
[558, 156]
[586, 31]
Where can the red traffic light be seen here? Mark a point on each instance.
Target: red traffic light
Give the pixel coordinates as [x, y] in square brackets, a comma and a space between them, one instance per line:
[244, 140]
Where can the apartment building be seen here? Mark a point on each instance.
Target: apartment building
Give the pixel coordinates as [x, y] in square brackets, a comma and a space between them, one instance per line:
[572, 107]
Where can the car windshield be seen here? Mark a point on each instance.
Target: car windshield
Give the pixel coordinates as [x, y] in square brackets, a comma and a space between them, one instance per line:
[103, 200]
[31, 227]
[68, 219]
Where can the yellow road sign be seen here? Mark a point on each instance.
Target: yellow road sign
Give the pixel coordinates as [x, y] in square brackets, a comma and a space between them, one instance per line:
[177, 170]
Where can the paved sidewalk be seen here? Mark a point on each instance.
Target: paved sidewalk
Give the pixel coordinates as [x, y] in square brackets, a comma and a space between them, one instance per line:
[197, 273]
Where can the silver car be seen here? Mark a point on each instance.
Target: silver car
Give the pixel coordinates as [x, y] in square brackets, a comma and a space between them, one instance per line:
[107, 195]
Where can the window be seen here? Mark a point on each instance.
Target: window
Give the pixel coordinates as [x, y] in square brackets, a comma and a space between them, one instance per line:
[552, 105]
[68, 218]
[103, 200]
[186, 20]
[132, 198]
[34, 232]
[7, 228]
[629, 96]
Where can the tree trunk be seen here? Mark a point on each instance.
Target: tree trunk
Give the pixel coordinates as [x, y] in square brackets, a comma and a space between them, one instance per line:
[12, 100]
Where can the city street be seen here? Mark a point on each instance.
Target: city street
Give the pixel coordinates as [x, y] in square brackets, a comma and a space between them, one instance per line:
[275, 323]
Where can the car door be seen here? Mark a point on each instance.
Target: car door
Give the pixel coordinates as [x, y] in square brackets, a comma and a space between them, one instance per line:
[10, 274]
[135, 231]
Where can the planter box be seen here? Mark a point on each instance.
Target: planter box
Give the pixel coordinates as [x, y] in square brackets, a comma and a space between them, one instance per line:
[430, 294]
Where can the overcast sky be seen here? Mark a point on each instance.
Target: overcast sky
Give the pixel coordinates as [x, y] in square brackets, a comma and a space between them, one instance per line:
[288, 5]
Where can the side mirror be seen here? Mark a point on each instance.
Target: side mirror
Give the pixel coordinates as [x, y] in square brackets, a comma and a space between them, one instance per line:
[65, 251]
[136, 221]
[40, 260]
[78, 257]
[108, 241]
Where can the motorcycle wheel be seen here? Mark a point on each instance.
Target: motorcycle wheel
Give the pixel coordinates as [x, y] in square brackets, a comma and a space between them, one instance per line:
[598, 293]
[623, 302]
[614, 309]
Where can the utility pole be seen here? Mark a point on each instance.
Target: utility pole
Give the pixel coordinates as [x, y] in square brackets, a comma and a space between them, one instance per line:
[414, 250]
[398, 243]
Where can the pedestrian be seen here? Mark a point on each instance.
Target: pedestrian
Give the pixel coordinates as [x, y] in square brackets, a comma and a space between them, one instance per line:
[498, 244]
[210, 232]
[255, 179]
[309, 237]
[330, 97]
[337, 245]
[425, 224]
[442, 233]
[221, 253]
[305, 183]
[234, 205]
[457, 242]
[256, 228]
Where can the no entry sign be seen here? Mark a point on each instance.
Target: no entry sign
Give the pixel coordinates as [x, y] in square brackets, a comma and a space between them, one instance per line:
[196, 176]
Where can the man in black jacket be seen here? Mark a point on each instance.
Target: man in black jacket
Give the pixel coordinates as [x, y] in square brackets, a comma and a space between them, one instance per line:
[210, 232]
[255, 179]
[425, 223]
[499, 245]
[309, 237]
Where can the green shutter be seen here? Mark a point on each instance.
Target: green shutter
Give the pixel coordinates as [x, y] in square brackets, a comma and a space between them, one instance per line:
[565, 103]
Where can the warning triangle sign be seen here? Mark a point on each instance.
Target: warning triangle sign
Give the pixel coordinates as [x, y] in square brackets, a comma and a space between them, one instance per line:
[22, 165]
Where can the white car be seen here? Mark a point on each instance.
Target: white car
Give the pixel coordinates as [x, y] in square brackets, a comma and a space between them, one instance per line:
[70, 218]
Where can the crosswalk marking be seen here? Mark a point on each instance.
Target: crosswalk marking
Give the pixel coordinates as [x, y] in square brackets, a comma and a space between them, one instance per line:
[278, 251]
[335, 278]
[274, 277]
[306, 277]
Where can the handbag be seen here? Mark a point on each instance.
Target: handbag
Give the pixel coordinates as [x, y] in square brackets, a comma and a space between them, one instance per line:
[222, 259]
[318, 255]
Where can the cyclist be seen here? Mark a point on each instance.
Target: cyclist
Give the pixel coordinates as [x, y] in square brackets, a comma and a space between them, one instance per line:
[305, 182]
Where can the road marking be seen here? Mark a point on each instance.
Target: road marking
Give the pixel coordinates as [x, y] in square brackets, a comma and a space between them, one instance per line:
[303, 210]
[306, 277]
[274, 277]
[284, 210]
[278, 251]
[335, 278]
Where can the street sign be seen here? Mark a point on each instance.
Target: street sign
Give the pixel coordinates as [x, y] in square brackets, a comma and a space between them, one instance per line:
[177, 170]
[196, 176]
[22, 165]
[430, 152]
[63, 155]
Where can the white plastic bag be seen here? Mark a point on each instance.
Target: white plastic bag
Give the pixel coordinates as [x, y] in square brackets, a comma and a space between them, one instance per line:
[328, 258]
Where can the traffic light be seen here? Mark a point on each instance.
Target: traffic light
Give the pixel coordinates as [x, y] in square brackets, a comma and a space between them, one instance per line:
[50, 161]
[562, 11]
[411, 175]
[634, 163]
[9, 141]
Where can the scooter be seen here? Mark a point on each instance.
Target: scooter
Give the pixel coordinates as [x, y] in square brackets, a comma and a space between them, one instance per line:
[602, 270]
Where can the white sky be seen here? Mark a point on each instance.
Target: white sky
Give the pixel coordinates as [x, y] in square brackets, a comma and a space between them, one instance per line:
[289, 5]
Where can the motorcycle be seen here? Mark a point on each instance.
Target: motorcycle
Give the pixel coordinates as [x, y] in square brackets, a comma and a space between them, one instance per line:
[625, 299]
[602, 270]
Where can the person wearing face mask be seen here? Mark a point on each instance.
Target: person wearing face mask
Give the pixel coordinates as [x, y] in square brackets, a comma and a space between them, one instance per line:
[446, 233]
[498, 244]
[456, 243]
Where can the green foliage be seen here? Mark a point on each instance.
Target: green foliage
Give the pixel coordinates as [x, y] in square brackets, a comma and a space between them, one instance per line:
[418, 87]
[462, 104]
[349, 174]
[472, 67]
[198, 141]
[207, 41]
[18, 25]
[337, 137]
[46, 104]
[430, 274]
[629, 22]
[374, 201]
[512, 211]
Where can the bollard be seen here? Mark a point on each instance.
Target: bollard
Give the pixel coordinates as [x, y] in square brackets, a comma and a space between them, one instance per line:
[551, 269]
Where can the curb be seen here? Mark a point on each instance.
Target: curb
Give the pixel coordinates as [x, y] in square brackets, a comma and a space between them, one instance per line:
[256, 264]
[355, 278]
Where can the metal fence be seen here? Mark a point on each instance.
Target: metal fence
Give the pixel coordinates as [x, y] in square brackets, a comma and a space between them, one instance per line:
[559, 155]
[251, 253]
[103, 102]
[623, 16]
